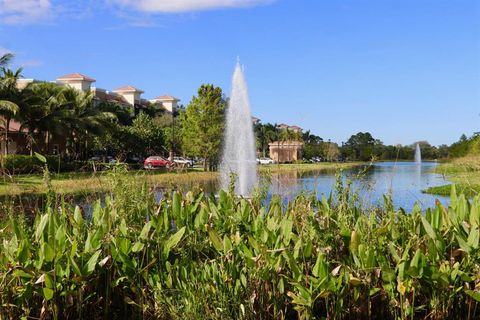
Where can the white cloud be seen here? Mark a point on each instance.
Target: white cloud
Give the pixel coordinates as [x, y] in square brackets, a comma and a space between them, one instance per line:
[5, 51]
[170, 6]
[30, 63]
[24, 11]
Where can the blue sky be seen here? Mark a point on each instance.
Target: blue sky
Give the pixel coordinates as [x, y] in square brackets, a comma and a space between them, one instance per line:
[403, 70]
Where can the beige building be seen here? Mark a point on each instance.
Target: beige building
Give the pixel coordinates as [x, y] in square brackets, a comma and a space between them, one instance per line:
[127, 96]
[169, 103]
[282, 126]
[77, 81]
[131, 94]
[286, 151]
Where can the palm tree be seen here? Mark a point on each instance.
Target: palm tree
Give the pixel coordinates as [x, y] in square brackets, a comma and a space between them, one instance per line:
[45, 115]
[31, 113]
[5, 59]
[81, 119]
[10, 98]
[265, 134]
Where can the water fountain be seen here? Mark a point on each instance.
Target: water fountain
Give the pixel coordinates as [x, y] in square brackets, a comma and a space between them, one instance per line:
[238, 158]
[418, 154]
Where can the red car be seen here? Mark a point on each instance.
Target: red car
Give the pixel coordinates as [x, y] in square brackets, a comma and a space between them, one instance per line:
[156, 162]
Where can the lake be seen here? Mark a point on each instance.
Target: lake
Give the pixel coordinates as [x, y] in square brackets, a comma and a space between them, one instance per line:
[404, 181]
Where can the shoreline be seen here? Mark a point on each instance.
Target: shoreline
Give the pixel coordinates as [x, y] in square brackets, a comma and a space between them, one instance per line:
[89, 182]
[464, 173]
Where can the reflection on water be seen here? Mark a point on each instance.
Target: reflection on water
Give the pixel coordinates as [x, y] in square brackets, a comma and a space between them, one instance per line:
[403, 181]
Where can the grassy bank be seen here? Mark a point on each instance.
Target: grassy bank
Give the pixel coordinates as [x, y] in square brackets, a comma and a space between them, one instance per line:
[197, 257]
[305, 167]
[463, 172]
[98, 182]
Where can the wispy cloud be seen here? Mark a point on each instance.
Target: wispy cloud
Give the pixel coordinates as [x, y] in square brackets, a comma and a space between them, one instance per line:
[24, 11]
[5, 51]
[171, 6]
[30, 63]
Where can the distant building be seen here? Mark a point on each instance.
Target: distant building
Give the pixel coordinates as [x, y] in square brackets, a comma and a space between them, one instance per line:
[76, 80]
[169, 103]
[286, 151]
[131, 94]
[255, 120]
[128, 96]
[288, 127]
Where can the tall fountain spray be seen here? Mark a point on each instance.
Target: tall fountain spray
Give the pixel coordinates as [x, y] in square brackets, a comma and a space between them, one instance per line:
[239, 143]
[418, 154]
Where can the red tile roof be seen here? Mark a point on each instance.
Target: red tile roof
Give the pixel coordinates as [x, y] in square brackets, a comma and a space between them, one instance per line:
[14, 126]
[112, 97]
[128, 89]
[167, 98]
[76, 76]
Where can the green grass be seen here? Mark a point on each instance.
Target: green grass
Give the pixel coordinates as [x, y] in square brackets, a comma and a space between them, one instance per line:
[463, 172]
[86, 182]
[322, 166]
[445, 190]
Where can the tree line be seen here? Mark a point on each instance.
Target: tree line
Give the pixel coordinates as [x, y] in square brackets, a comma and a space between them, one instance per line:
[47, 110]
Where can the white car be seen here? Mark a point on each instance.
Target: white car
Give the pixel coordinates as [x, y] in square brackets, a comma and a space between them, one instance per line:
[265, 160]
[182, 160]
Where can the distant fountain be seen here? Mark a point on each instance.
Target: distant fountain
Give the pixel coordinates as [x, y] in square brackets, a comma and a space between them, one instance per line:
[418, 154]
[239, 143]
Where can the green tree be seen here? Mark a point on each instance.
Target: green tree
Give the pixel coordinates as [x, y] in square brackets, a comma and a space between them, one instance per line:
[202, 124]
[5, 59]
[10, 98]
[147, 136]
[331, 151]
[359, 146]
[265, 134]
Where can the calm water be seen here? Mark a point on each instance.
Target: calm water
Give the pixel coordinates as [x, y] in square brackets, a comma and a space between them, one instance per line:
[404, 181]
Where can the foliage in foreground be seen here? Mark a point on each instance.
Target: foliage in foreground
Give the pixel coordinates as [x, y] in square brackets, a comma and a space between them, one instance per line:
[199, 257]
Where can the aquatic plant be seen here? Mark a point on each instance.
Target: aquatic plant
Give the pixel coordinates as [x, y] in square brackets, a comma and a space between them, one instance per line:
[194, 256]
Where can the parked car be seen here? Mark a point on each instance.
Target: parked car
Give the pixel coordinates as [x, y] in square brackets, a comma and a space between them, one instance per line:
[156, 162]
[265, 160]
[182, 160]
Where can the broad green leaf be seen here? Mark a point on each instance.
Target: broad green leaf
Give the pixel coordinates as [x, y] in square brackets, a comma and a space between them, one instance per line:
[49, 253]
[176, 206]
[287, 231]
[123, 227]
[92, 262]
[23, 252]
[48, 293]
[41, 227]
[41, 158]
[174, 239]
[474, 294]
[138, 246]
[21, 274]
[48, 281]
[319, 270]
[77, 216]
[215, 239]
[308, 249]
[428, 228]
[473, 238]
[75, 267]
[145, 230]
[227, 244]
